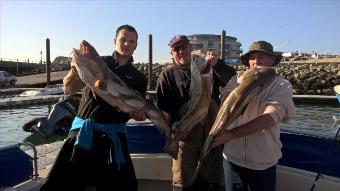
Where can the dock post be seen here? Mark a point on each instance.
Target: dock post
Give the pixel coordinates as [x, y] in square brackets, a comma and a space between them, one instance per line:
[223, 45]
[17, 67]
[150, 63]
[48, 62]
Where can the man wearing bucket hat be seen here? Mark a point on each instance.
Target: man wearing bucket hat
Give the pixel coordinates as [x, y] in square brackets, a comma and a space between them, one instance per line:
[252, 144]
[265, 48]
[173, 93]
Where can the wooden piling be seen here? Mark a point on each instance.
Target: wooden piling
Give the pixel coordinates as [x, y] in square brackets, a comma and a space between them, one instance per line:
[223, 45]
[48, 62]
[150, 63]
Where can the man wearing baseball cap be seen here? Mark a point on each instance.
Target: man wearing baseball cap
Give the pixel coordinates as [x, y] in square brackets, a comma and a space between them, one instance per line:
[252, 145]
[172, 93]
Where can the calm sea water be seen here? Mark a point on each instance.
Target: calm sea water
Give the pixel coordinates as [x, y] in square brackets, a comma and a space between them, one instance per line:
[316, 119]
[310, 118]
[12, 120]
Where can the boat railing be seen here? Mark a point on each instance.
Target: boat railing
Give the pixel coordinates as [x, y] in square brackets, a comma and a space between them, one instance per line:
[35, 157]
[16, 165]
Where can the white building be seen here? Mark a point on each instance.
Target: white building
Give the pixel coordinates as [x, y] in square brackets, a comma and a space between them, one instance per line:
[207, 42]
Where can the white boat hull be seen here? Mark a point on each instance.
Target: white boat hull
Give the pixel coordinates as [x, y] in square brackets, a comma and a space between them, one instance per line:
[153, 172]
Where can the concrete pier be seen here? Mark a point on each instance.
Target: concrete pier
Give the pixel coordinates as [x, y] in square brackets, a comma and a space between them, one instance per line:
[16, 102]
[39, 80]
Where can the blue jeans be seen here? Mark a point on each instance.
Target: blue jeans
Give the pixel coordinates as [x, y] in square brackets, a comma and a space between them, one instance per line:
[228, 175]
[256, 180]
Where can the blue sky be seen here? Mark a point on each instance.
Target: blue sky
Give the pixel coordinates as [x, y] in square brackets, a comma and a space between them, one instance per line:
[305, 25]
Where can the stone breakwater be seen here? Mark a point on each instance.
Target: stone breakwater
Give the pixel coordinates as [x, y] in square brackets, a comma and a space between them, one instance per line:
[307, 79]
[311, 79]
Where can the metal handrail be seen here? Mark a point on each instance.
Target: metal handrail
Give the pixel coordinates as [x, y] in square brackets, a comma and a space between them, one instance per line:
[35, 157]
[336, 118]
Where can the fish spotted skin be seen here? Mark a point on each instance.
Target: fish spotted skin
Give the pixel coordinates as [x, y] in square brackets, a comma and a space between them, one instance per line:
[94, 72]
[196, 108]
[251, 83]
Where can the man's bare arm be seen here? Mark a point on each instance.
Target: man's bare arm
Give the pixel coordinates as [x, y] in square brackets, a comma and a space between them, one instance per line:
[72, 82]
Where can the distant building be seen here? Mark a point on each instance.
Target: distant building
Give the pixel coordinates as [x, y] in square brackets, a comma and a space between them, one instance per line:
[298, 56]
[213, 42]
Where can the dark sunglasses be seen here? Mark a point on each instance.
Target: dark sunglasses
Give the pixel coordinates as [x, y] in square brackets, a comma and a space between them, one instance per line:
[180, 47]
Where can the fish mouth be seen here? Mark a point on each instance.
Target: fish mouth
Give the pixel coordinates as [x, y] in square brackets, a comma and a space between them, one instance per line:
[171, 148]
[87, 49]
[76, 52]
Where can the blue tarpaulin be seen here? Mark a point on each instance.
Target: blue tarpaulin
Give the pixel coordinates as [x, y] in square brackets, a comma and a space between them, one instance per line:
[311, 153]
[145, 138]
[15, 166]
[300, 151]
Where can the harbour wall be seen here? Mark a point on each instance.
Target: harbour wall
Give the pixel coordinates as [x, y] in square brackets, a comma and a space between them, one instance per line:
[316, 78]
[306, 78]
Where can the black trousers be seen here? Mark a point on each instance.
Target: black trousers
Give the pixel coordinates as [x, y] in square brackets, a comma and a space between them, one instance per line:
[201, 186]
[256, 180]
[76, 169]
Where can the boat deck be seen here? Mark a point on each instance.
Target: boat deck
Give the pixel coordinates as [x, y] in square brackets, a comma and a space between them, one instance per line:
[153, 171]
[158, 172]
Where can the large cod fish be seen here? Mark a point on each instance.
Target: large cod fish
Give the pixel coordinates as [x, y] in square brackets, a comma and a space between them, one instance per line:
[198, 105]
[94, 72]
[252, 82]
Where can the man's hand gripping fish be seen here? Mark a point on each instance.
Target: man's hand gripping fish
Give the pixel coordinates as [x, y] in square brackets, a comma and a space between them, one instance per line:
[95, 73]
[198, 105]
[252, 82]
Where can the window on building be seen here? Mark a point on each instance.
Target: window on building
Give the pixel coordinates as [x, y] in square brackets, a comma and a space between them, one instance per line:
[210, 44]
[202, 37]
[192, 38]
[197, 46]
